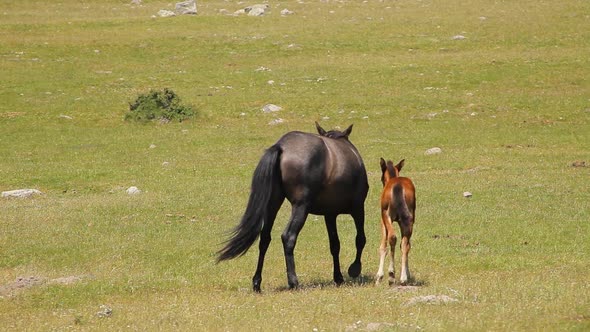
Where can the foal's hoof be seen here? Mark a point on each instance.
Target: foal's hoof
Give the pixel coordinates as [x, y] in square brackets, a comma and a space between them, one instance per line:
[354, 270]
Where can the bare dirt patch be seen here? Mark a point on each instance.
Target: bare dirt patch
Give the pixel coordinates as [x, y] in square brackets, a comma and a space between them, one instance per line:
[24, 283]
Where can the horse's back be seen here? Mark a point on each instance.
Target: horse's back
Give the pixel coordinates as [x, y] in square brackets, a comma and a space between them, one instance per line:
[327, 173]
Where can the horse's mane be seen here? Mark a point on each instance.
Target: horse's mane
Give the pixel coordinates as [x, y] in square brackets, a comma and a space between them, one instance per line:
[335, 134]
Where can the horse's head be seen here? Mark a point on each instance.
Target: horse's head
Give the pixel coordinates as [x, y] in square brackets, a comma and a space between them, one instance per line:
[333, 133]
[389, 171]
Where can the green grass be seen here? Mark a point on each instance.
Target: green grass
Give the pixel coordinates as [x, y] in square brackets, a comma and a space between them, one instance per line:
[508, 105]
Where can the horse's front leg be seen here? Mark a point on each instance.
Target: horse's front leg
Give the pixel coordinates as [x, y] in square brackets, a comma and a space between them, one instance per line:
[289, 237]
[359, 222]
[334, 247]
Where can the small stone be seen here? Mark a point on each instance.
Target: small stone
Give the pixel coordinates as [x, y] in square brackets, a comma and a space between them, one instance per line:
[166, 13]
[579, 163]
[459, 37]
[152, 146]
[286, 12]
[133, 191]
[188, 7]
[271, 108]
[21, 193]
[432, 151]
[105, 311]
[467, 194]
[276, 121]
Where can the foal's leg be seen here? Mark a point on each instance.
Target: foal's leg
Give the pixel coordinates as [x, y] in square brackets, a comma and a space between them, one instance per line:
[392, 239]
[387, 237]
[334, 247]
[406, 229]
[289, 237]
[359, 221]
[265, 238]
[382, 249]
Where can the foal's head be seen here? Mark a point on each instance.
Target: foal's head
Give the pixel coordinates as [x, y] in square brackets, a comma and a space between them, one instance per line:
[389, 171]
[333, 133]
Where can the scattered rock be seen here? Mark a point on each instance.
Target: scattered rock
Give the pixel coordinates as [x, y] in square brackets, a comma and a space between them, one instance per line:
[432, 299]
[21, 193]
[104, 312]
[432, 151]
[188, 7]
[133, 191]
[276, 121]
[271, 108]
[166, 13]
[286, 12]
[459, 37]
[579, 163]
[256, 10]
[152, 146]
[467, 194]
[136, 2]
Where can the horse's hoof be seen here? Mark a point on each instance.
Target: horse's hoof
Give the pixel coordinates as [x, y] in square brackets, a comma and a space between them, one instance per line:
[293, 283]
[354, 270]
[391, 278]
[338, 280]
[378, 279]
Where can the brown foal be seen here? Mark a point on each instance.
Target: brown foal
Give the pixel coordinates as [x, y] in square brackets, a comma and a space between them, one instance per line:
[398, 203]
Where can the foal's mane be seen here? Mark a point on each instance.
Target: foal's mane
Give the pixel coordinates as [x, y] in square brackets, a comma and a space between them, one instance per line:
[391, 169]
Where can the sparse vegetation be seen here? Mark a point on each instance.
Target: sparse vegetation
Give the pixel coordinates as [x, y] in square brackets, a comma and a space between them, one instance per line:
[162, 105]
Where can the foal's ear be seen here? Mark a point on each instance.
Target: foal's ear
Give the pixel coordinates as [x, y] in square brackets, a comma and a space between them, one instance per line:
[348, 131]
[383, 165]
[321, 130]
[400, 165]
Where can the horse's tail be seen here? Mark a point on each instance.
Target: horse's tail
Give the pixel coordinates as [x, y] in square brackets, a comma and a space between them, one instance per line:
[400, 204]
[265, 182]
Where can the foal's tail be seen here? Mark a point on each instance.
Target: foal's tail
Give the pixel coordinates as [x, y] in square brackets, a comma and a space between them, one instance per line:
[265, 182]
[400, 204]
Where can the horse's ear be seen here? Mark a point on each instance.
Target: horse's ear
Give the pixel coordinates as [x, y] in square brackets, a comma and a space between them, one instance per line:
[383, 165]
[400, 165]
[321, 130]
[348, 131]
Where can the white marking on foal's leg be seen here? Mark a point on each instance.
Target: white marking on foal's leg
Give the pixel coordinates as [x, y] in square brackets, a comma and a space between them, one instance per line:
[382, 254]
[405, 274]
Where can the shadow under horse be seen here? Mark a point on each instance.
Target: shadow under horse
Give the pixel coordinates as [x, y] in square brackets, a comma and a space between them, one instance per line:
[318, 174]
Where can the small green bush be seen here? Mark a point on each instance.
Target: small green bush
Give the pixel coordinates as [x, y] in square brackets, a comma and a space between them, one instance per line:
[161, 105]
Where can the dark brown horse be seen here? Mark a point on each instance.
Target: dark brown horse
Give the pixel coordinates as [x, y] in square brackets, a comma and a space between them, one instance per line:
[318, 174]
[398, 203]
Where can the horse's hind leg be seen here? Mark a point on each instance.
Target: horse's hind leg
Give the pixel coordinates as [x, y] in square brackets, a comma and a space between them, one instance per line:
[334, 247]
[359, 221]
[265, 239]
[289, 237]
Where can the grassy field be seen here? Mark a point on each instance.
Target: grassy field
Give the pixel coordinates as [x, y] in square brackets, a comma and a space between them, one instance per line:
[509, 105]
